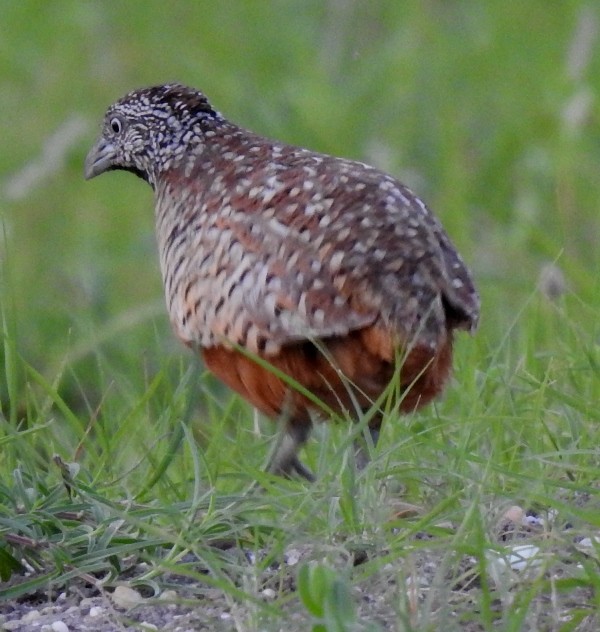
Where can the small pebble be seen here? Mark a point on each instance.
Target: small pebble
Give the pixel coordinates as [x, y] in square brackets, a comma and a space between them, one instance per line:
[533, 521]
[95, 611]
[552, 517]
[292, 557]
[269, 593]
[28, 567]
[87, 602]
[168, 595]
[515, 514]
[523, 557]
[59, 626]
[125, 597]
[148, 626]
[31, 616]
[588, 543]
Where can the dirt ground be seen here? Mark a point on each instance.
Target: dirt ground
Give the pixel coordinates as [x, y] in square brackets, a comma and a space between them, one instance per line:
[431, 591]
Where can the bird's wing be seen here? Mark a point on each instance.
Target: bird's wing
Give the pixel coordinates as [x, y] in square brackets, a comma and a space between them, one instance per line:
[275, 290]
[337, 257]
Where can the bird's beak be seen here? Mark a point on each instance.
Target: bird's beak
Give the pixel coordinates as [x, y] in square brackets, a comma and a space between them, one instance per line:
[99, 159]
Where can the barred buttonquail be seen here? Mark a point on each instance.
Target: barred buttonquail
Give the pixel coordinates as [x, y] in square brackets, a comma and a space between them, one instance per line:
[278, 261]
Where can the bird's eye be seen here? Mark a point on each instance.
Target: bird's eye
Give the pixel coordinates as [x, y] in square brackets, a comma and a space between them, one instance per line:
[116, 125]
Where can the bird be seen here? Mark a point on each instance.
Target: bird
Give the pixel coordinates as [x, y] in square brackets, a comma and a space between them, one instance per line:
[307, 282]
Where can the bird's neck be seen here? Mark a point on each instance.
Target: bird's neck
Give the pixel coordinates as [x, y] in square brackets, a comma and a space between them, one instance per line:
[182, 157]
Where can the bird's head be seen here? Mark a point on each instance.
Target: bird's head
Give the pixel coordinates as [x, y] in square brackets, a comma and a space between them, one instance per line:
[148, 131]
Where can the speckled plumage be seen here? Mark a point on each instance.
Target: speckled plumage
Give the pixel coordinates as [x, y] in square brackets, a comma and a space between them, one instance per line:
[279, 250]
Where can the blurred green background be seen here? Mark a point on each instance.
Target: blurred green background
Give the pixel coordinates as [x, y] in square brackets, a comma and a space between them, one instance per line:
[487, 110]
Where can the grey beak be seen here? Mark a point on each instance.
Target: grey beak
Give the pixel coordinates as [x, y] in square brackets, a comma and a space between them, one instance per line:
[99, 159]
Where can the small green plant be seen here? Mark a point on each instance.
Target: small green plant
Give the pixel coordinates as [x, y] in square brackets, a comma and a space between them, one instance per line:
[326, 596]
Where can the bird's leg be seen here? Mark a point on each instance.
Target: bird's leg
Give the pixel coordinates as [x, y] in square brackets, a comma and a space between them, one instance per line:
[362, 448]
[284, 460]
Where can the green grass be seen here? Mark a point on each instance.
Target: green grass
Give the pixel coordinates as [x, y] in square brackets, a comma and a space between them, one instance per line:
[489, 111]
